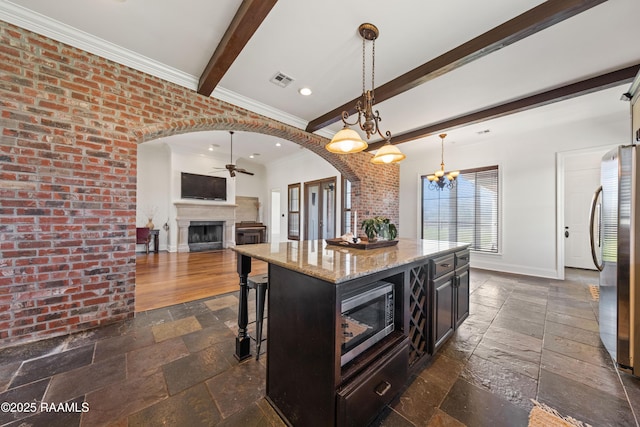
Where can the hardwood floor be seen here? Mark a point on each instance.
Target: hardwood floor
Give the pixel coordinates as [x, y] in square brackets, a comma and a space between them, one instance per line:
[165, 279]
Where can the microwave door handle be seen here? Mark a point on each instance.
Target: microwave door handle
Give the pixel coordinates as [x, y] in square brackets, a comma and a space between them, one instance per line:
[592, 215]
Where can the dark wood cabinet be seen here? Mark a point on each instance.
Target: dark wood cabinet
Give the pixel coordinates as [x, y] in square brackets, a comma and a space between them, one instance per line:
[443, 292]
[450, 290]
[420, 299]
[461, 287]
[309, 382]
[305, 380]
[443, 316]
[462, 295]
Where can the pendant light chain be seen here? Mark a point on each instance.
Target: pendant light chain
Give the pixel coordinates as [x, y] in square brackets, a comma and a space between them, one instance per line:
[363, 67]
[373, 68]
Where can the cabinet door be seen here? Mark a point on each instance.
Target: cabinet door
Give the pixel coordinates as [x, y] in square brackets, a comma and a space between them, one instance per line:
[462, 295]
[443, 299]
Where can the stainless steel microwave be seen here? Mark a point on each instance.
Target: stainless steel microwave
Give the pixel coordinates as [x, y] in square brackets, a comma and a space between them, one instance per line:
[366, 318]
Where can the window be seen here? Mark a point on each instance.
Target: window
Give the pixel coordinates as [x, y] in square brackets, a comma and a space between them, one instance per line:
[466, 213]
[293, 212]
[346, 207]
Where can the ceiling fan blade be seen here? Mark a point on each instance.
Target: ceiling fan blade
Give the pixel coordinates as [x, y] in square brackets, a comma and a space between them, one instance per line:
[244, 171]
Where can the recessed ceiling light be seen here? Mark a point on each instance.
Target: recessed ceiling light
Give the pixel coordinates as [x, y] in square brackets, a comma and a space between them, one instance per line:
[254, 155]
[212, 146]
[278, 144]
[305, 91]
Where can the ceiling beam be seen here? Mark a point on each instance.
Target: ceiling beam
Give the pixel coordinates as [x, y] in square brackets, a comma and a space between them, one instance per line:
[248, 18]
[594, 84]
[530, 22]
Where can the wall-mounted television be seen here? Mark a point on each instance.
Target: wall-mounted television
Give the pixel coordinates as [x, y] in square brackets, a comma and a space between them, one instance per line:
[202, 187]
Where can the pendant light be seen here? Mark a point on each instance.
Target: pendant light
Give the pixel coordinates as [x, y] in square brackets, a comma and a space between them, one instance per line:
[347, 140]
[441, 179]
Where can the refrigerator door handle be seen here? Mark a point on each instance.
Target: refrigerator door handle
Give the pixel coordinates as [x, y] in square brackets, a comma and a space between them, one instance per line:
[592, 216]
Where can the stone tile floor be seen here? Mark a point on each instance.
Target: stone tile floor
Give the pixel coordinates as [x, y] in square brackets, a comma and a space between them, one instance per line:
[526, 338]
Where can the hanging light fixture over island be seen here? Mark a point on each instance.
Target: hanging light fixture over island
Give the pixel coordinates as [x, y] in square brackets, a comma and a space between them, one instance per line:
[347, 140]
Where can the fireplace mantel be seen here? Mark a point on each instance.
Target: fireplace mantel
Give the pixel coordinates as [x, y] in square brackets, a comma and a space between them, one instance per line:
[204, 211]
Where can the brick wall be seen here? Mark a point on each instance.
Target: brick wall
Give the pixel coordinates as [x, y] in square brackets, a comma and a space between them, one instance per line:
[69, 130]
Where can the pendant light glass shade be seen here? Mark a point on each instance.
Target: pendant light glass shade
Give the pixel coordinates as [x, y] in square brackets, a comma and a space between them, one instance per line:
[347, 141]
[388, 154]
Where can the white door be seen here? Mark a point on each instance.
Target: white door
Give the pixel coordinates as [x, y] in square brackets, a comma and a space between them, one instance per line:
[275, 215]
[581, 178]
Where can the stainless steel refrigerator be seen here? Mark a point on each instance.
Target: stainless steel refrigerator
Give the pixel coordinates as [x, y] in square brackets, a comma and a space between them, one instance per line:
[615, 246]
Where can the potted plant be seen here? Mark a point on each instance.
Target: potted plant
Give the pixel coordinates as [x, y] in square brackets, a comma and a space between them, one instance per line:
[379, 227]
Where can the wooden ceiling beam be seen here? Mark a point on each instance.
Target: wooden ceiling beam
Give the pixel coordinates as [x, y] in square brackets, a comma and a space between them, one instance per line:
[594, 84]
[246, 21]
[530, 22]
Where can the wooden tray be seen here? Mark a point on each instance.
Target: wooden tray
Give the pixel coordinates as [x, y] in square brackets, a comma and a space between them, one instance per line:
[362, 245]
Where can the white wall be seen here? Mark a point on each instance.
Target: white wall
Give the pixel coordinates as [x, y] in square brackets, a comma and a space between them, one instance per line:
[153, 187]
[527, 164]
[159, 168]
[299, 168]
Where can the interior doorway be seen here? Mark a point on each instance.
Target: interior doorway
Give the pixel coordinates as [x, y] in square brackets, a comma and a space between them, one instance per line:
[275, 215]
[320, 209]
[580, 172]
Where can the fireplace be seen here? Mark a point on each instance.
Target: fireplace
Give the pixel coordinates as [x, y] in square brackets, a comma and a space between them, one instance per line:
[205, 235]
[202, 213]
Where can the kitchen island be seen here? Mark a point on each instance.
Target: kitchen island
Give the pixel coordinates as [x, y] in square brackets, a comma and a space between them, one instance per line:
[311, 377]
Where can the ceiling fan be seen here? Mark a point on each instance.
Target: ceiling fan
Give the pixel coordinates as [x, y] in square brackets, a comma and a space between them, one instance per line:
[231, 167]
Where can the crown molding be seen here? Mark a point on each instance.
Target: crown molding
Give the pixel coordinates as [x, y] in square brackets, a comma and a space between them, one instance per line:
[264, 109]
[56, 30]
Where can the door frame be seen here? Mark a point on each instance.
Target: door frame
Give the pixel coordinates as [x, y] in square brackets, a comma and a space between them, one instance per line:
[274, 214]
[320, 183]
[560, 198]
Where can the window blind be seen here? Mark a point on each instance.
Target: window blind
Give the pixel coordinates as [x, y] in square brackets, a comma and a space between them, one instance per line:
[466, 213]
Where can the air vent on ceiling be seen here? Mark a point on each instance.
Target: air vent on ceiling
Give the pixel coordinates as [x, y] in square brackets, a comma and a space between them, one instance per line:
[281, 79]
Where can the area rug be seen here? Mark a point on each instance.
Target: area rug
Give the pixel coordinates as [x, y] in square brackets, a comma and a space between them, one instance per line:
[544, 416]
[595, 292]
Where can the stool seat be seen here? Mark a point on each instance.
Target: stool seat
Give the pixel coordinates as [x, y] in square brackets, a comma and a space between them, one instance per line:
[259, 282]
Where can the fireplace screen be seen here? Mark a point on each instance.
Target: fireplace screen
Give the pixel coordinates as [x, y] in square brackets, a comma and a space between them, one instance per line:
[205, 235]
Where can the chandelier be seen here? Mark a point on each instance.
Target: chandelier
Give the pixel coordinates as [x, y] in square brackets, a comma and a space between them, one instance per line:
[441, 179]
[347, 140]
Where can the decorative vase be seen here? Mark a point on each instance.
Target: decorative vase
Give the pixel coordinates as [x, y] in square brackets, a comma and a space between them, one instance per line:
[150, 224]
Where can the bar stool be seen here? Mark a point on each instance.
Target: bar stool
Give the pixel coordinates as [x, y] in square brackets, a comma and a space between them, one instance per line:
[259, 282]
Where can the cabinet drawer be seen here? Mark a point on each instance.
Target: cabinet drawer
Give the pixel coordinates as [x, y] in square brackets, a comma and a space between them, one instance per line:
[462, 258]
[363, 398]
[442, 265]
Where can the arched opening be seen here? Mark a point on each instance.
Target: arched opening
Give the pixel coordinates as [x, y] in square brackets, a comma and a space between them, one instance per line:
[158, 189]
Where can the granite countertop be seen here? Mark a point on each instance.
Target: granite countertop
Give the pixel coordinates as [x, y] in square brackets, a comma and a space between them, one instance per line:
[338, 264]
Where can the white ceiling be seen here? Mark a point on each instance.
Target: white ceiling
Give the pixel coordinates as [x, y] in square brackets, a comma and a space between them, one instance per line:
[317, 44]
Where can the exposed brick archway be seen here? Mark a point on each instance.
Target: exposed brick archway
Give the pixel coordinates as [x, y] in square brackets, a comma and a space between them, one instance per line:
[70, 126]
[257, 124]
